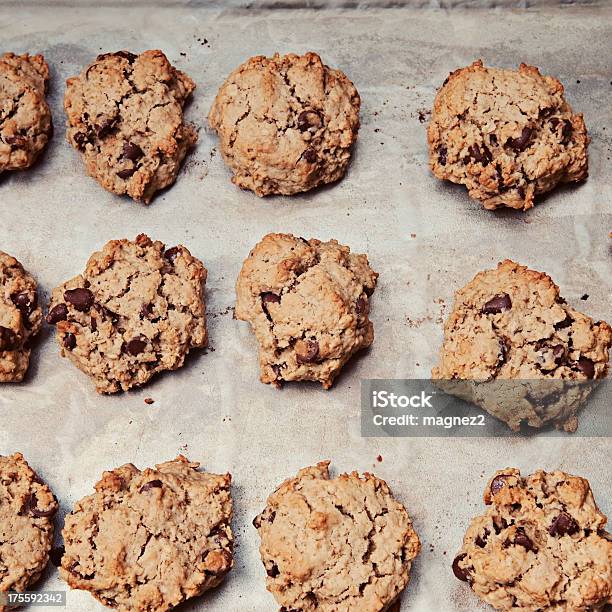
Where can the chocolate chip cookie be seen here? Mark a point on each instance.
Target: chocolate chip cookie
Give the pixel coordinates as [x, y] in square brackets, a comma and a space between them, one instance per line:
[541, 545]
[511, 324]
[125, 117]
[25, 118]
[137, 310]
[150, 540]
[506, 135]
[336, 544]
[286, 124]
[307, 302]
[27, 508]
[20, 318]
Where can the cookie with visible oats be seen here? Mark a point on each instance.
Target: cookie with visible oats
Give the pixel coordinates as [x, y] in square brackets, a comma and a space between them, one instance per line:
[25, 118]
[336, 544]
[20, 318]
[137, 310]
[286, 124]
[541, 545]
[308, 303]
[150, 540]
[507, 135]
[125, 117]
[509, 326]
[27, 508]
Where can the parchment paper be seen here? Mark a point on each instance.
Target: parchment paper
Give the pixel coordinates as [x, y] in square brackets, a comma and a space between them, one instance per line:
[425, 238]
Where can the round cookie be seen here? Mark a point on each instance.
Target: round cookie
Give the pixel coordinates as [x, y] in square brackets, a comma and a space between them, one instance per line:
[308, 303]
[137, 310]
[150, 540]
[335, 545]
[286, 124]
[20, 318]
[27, 508]
[25, 118]
[541, 545]
[125, 117]
[511, 324]
[506, 135]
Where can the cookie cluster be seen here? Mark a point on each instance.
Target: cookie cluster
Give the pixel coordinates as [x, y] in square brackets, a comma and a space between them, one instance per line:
[152, 539]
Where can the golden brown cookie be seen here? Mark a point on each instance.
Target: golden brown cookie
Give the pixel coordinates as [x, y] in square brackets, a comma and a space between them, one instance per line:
[308, 303]
[27, 508]
[507, 135]
[286, 124]
[150, 540]
[541, 545]
[25, 118]
[125, 117]
[511, 324]
[20, 318]
[138, 309]
[336, 544]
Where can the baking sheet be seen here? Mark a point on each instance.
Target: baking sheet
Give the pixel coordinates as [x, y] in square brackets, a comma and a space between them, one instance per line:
[426, 239]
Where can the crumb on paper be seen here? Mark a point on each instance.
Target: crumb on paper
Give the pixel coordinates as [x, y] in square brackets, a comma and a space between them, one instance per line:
[379, 458]
[149, 400]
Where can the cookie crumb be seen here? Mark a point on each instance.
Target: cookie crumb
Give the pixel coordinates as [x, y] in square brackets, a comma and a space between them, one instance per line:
[149, 400]
[379, 458]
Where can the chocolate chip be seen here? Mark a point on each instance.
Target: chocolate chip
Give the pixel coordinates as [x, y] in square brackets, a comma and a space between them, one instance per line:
[558, 353]
[105, 128]
[81, 139]
[146, 310]
[22, 301]
[126, 173]
[17, 141]
[306, 351]
[267, 297]
[57, 313]
[130, 57]
[567, 130]
[521, 191]
[565, 323]
[69, 341]
[586, 366]
[497, 304]
[56, 554]
[8, 339]
[273, 572]
[361, 307]
[520, 144]
[310, 155]
[93, 322]
[498, 483]
[152, 484]
[82, 299]
[136, 345]
[308, 119]
[481, 155]
[171, 254]
[442, 153]
[461, 573]
[481, 541]
[131, 151]
[564, 524]
[522, 539]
